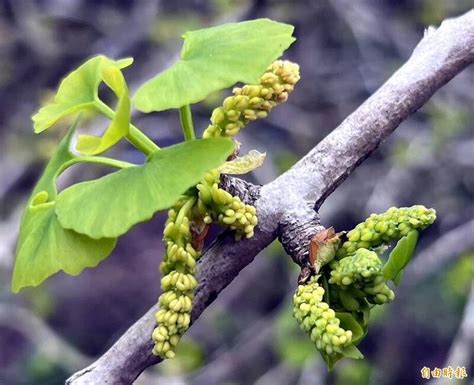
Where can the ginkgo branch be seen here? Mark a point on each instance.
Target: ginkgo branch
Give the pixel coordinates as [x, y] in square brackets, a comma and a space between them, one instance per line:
[286, 205]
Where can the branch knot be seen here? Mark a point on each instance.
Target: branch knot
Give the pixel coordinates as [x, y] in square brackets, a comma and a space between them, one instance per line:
[296, 229]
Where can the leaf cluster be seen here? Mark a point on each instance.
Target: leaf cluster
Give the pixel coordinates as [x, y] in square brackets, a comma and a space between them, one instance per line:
[79, 226]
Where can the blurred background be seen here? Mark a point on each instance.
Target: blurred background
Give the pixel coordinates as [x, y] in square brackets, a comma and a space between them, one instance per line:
[346, 50]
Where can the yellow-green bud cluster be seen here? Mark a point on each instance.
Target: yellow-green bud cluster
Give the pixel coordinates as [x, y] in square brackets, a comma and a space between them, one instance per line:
[378, 292]
[362, 270]
[178, 282]
[317, 319]
[363, 266]
[384, 228]
[355, 281]
[217, 205]
[252, 102]
[212, 204]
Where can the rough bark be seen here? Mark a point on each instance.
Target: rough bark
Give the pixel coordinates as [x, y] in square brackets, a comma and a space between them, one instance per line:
[285, 206]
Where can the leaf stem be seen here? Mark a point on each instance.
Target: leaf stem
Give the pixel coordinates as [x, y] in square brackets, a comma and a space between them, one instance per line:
[186, 119]
[134, 136]
[141, 141]
[97, 160]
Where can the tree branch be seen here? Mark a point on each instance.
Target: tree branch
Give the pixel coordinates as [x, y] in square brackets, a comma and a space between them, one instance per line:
[287, 202]
[51, 345]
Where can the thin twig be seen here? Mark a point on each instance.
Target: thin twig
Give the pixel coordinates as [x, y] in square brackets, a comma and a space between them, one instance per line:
[51, 345]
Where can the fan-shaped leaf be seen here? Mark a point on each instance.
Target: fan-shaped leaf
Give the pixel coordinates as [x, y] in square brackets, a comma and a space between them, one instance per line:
[44, 247]
[213, 59]
[77, 91]
[110, 206]
[92, 145]
[47, 248]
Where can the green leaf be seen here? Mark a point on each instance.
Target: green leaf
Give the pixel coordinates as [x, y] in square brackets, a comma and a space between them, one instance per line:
[348, 300]
[213, 59]
[47, 248]
[331, 359]
[400, 256]
[47, 181]
[349, 351]
[365, 315]
[352, 352]
[110, 206]
[243, 164]
[92, 145]
[44, 247]
[77, 91]
[349, 322]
